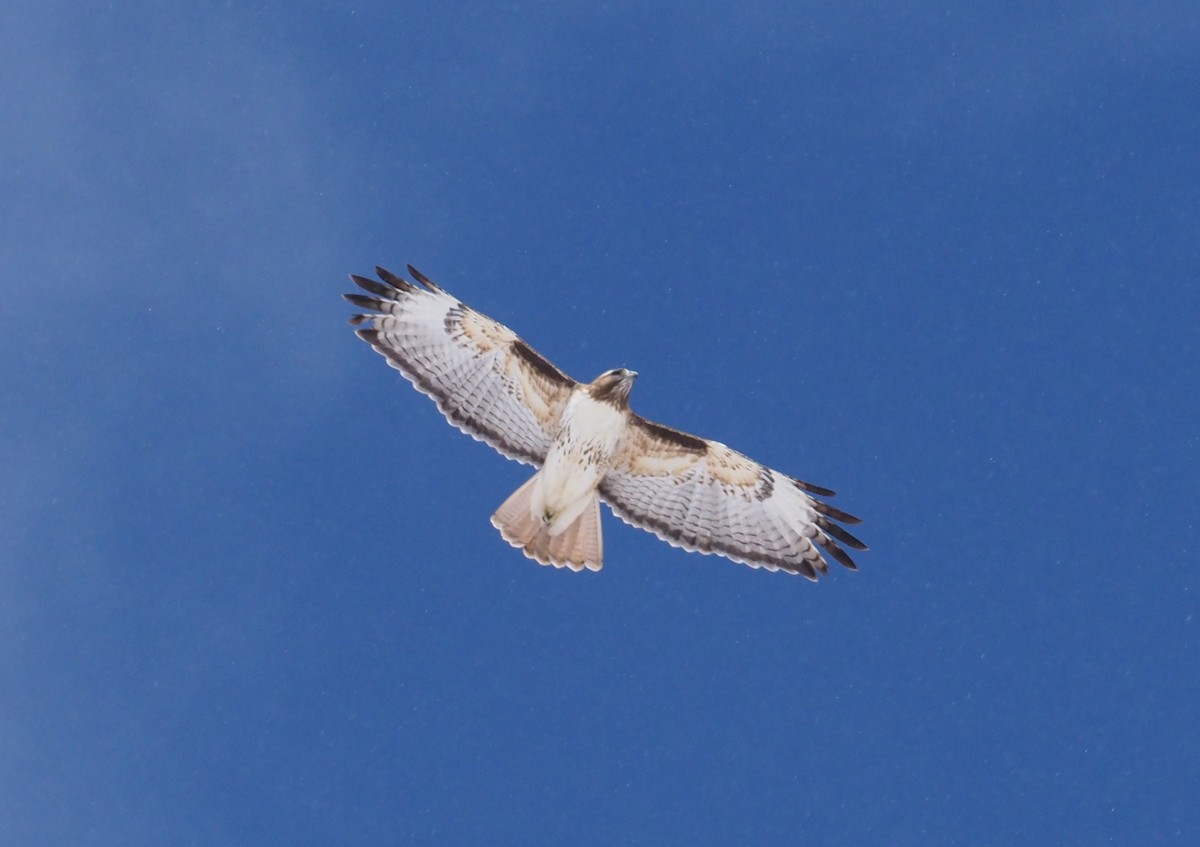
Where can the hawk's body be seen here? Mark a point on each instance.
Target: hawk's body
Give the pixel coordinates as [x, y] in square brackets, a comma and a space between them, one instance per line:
[691, 492]
[555, 517]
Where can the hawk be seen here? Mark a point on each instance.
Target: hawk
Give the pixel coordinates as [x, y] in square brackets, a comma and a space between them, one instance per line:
[589, 446]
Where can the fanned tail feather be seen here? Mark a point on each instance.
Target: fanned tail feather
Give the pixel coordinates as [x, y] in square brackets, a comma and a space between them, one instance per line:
[577, 547]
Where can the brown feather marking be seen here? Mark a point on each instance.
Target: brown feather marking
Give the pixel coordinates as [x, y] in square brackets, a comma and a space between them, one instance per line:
[365, 302]
[611, 388]
[840, 534]
[482, 333]
[532, 358]
[835, 514]
[674, 437]
[837, 552]
[812, 489]
[387, 292]
[371, 336]
[652, 449]
[732, 468]
[424, 280]
[397, 282]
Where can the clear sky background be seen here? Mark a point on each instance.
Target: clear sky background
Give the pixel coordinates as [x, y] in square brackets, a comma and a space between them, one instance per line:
[940, 257]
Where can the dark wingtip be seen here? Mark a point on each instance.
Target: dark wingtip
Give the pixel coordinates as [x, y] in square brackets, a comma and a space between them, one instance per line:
[365, 302]
[841, 556]
[424, 280]
[804, 569]
[397, 282]
[842, 535]
[387, 292]
[813, 489]
[355, 320]
[836, 514]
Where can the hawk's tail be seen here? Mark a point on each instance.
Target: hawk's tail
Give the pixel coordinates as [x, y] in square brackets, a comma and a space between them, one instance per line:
[577, 547]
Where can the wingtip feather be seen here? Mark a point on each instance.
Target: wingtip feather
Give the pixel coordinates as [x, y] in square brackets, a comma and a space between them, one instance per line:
[813, 489]
[397, 282]
[835, 513]
[365, 302]
[424, 280]
[841, 535]
[841, 556]
[379, 289]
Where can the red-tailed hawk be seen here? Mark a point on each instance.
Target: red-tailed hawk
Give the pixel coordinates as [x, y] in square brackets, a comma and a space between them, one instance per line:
[589, 446]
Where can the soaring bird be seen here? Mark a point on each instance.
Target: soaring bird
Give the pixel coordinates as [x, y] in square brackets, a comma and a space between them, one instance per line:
[589, 446]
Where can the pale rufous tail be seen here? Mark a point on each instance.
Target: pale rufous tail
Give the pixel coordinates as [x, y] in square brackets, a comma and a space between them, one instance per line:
[577, 547]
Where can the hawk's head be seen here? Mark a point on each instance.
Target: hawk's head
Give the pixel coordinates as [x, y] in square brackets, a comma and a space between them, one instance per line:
[614, 387]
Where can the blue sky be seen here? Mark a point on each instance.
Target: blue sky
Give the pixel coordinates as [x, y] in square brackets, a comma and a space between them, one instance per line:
[941, 258]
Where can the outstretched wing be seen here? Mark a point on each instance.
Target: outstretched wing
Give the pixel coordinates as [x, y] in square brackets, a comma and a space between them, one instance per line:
[705, 497]
[483, 377]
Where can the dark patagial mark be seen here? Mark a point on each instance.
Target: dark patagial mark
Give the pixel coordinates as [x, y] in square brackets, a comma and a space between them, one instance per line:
[682, 440]
[532, 358]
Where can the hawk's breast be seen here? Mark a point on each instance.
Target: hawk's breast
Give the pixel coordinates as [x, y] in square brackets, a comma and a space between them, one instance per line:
[588, 435]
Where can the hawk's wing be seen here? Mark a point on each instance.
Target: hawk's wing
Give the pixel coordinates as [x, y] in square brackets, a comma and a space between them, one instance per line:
[484, 378]
[703, 496]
